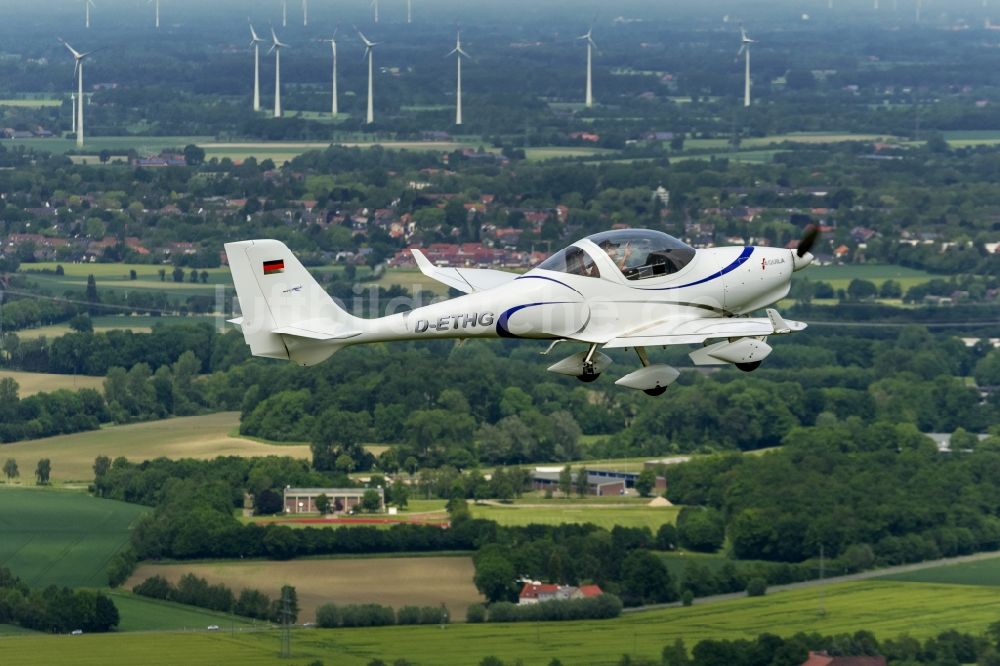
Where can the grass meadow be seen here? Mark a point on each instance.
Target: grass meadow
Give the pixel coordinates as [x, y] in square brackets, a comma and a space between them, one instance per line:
[105, 323]
[983, 573]
[391, 581]
[60, 537]
[840, 276]
[201, 437]
[888, 609]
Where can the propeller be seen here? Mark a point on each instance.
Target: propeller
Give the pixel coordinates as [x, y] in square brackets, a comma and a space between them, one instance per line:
[809, 238]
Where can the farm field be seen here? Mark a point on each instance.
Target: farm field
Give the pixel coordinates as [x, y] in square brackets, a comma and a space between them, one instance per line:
[31, 103]
[982, 573]
[840, 276]
[202, 437]
[144, 614]
[105, 323]
[396, 581]
[114, 144]
[61, 537]
[605, 515]
[30, 383]
[887, 609]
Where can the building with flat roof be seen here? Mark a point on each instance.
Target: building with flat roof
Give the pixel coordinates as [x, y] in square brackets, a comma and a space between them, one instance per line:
[342, 500]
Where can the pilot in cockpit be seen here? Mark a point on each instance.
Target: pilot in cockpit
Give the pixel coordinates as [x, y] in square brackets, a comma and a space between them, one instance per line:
[618, 253]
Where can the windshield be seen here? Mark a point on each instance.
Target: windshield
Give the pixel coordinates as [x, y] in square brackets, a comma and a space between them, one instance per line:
[642, 253]
[571, 260]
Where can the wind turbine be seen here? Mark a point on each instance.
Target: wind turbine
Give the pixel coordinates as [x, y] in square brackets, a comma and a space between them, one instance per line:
[409, 11]
[157, 9]
[78, 72]
[255, 42]
[745, 43]
[305, 13]
[72, 98]
[88, 5]
[333, 47]
[591, 45]
[369, 53]
[375, 9]
[459, 54]
[284, 13]
[276, 46]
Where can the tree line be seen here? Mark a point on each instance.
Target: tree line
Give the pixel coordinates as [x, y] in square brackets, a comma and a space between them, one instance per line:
[54, 609]
[195, 591]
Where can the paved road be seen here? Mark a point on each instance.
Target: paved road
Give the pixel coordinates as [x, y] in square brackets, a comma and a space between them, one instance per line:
[864, 575]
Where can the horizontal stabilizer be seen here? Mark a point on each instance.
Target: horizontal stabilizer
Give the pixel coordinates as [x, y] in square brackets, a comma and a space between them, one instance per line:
[465, 280]
[300, 331]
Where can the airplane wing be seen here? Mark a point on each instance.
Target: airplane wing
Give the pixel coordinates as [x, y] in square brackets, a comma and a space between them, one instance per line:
[694, 331]
[465, 280]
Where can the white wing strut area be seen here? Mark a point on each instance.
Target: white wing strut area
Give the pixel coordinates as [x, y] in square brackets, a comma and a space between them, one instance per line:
[695, 331]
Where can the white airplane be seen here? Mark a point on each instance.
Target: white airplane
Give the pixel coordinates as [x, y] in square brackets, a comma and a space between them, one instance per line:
[628, 288]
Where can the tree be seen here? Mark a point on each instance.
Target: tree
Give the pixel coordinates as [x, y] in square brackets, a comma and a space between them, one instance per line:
[371, 501]
[400, 493]
[92, 296]
[645, 579]
[323, 504]
[42, 471]
[701, 529]
[566, 481]
[178, 274]
[193, 155]
[757, 587]
[101, 466]
[495, 577]
[267, 502]
[861, 290]
[10, 469]
[646, 481]
[582, 482]
[81, 323]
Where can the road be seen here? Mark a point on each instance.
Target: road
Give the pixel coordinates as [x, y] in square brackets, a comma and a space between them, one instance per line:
[864, 575]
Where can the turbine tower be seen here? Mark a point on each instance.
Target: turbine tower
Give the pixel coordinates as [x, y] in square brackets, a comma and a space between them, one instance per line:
[375, 9]
[276, 46]
[409, 11]
[255, 42]
[369, 53]
[745, 43]
[334, 109]
[305, 13]
[88, 5]
[591, 45]
[78, 72]
[284, 13]
[157, 9]
[72, 98]
[459, 54]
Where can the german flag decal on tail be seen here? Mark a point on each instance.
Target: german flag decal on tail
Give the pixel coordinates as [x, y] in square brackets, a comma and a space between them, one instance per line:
[272, 267]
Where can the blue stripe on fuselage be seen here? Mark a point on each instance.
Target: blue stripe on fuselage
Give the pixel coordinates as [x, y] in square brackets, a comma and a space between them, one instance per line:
[740, 260]
[502, 320]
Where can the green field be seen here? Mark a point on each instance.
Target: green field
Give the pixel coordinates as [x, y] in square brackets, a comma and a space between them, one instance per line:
[105, 323]
[605, 515]
[144, 614]
[61, 537]
[30, 383]
[840, 276]
[888, 609]
[982, 572]
[31, 103]
[202, 437]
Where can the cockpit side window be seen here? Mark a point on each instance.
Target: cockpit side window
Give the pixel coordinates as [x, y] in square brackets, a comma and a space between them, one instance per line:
[641, 254]
[572, 260]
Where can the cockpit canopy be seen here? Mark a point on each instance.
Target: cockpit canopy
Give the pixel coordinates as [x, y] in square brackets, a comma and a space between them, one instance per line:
[638, 253]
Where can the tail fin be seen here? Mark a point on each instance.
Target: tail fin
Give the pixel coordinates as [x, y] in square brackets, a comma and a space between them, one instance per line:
[286, 313]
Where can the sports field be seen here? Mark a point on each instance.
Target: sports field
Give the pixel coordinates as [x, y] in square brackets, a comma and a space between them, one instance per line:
[887, 609]
[30, 383]
[60, 537]
[606, 515]
[390, 581]
[201, 437]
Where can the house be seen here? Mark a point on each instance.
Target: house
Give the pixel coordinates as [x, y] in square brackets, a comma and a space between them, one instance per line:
[303, 500]
[535, 592]
[823, 659]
